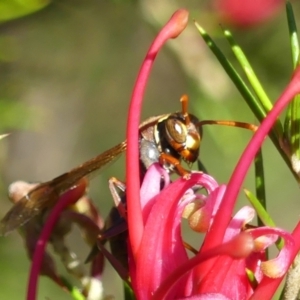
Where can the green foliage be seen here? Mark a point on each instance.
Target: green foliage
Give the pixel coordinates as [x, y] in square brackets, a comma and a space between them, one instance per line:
[13, 9]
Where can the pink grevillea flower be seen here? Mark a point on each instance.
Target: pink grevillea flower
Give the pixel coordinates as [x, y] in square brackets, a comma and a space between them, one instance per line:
[159, 265]
[247, 13]
[163, 269]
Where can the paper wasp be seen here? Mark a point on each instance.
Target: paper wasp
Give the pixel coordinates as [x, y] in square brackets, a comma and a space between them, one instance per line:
[166, 139]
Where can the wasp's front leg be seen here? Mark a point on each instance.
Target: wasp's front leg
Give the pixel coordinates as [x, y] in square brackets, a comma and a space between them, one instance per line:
[166, 159]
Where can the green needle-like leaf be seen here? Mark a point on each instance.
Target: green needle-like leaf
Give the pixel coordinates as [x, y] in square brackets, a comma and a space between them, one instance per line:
[294, 133]
[262, 214]
[292, 119]
[242, 59]
[250, 99]
[260, 210]
[293, 34]
[251, 278]
[74, 291]
[255, 83]
[260, 182]
[234, 76]
[129, 295]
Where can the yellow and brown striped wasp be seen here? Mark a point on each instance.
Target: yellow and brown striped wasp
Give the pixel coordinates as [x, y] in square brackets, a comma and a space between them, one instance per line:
[166, 139]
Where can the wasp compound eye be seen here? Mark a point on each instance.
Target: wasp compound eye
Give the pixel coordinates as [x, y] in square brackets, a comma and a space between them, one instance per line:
[176, 131]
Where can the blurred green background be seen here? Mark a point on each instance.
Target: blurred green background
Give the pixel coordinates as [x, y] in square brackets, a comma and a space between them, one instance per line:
[66, 77]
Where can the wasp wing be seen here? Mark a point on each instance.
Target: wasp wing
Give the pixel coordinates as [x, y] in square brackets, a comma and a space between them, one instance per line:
[46, 194]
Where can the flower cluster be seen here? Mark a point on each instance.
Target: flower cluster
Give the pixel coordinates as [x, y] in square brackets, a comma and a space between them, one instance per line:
[162, 269]
[231, 263]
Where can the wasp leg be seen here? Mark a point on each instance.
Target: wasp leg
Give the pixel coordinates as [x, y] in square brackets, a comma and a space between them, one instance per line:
[115, 225]
[166, 159]
[118, 192]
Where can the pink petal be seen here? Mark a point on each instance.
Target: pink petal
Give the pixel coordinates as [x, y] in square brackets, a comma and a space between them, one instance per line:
[278, 266]
[242, 217]
[161, 249]
[151, 186]
[227, 274]
[208, 296]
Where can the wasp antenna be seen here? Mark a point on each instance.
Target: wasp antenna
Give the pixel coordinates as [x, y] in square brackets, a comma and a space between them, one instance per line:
[184, 102]
[244, 125]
